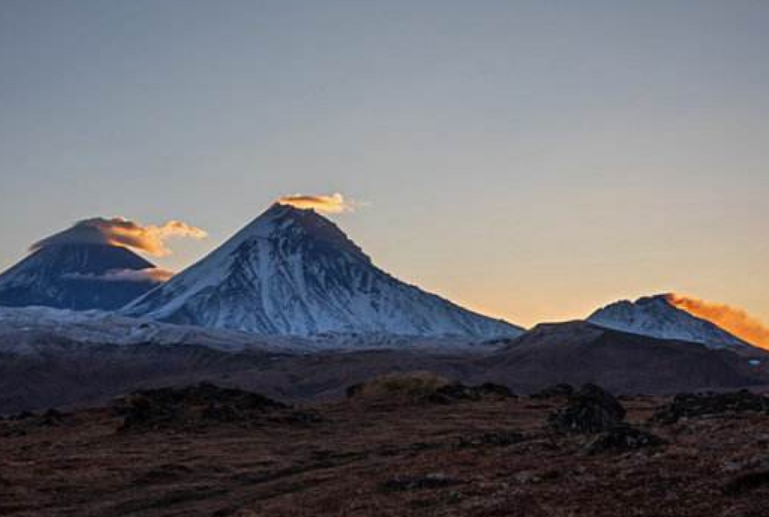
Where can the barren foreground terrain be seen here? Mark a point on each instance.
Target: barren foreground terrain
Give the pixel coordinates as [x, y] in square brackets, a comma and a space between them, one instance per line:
[484, 455]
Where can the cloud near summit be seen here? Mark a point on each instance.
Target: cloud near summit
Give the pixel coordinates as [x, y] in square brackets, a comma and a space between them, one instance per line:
[118, 231]
[328, 204]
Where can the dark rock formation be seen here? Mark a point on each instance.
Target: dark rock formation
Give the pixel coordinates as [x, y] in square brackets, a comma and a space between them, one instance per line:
[192, 406]
[407, 483]
[746, 483]
[591, 410]
[623, 438]
[491, 439]
[554, 391]
[423, 387]
[457, 391]
[693, 406]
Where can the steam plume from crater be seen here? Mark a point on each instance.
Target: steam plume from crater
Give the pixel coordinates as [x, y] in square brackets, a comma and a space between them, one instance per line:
[330, 204]
[118, 231]
[731, 319]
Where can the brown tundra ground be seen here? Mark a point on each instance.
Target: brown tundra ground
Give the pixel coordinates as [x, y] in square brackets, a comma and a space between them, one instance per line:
[487, 457]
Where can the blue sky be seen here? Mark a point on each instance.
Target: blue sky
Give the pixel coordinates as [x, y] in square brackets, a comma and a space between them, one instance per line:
[529, 159]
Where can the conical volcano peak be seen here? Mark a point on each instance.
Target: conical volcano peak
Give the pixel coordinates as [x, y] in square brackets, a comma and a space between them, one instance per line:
[305, 219]
[659, 300]
[660, 317]
[291, 271]
[95, 258]
[294, 228]
[78, 276]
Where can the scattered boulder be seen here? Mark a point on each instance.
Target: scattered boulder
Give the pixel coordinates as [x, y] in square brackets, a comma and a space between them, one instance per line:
[491, 439]
[52, 417]
[414, 385]
[589, 411]
[693, 405]
[746, 483]
[554, 391]
[23, 415]
[533, 477]
[299, 418]
[623, 438]
[192, 406]
[408, 483]
[752, 462]
[457, 391]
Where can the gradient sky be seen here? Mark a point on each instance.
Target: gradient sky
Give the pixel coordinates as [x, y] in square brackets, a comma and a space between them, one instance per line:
[529, 159]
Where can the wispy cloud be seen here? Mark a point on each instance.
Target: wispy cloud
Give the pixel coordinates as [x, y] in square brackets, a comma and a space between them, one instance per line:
[118, 231]
[328, 204]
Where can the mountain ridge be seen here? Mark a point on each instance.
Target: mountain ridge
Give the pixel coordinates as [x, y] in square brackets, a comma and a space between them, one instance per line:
[293, 272]
[655, 316]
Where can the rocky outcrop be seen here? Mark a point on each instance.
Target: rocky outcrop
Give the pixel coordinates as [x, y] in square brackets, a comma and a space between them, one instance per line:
[192, 406]
[693, 405]
[591, 410]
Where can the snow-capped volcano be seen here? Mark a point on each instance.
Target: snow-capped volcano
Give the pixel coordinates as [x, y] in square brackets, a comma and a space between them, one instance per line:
[655, 316]
[293, 272]
[77, 276]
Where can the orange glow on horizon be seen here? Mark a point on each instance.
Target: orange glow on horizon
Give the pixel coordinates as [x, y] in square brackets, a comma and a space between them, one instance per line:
[731, 319]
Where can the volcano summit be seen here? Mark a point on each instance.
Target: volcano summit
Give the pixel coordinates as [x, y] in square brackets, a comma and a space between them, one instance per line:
[78, 276]
[294, 272]
[656, 316]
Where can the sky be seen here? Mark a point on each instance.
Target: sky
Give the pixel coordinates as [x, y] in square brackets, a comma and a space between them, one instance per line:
[532, 160]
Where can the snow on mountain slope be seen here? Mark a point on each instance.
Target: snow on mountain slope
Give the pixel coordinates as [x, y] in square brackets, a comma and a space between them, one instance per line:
[24, 330]
[32, 330]
[656, 317]
[77, 276]
[293, 272]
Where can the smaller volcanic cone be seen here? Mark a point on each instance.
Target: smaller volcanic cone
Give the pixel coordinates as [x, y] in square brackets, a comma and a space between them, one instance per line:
[78, 277]
[92, 265]
[657, 316]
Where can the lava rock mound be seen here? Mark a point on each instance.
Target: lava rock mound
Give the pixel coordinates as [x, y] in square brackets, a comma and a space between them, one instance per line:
[623, 438]
[554, 391]
[692, 405]
[589, 411]
[457, 391]
[191, 407]
[490, 439]
[431, 481]
[423, 387]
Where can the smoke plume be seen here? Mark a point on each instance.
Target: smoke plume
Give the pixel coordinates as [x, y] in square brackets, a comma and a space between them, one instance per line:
[118, 231]
[731, 319]
[332, 204]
